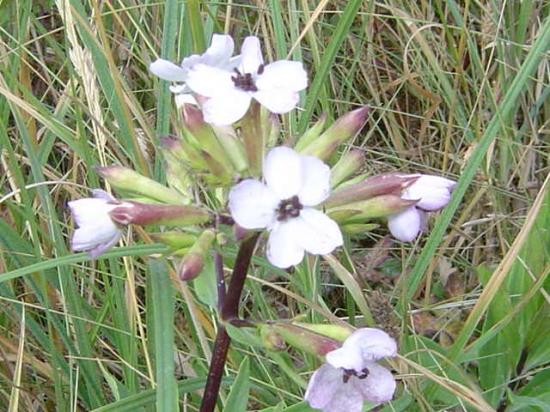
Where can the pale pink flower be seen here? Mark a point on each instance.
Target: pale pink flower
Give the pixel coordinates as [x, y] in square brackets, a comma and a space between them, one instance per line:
[351, 375]
[284, 205]
[432, 193]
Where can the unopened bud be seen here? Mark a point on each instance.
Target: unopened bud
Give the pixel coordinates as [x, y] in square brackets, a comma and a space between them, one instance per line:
[304, 339]
[232, 146]
[390, 183]
[311, 134]
[348, 164]
[379, 206]
[359, 228]
[149, 214]
[175, 240]
[129, 180]
[342, 130]
[191, 266]
[338, 332]
[271, 339]
[253, 138]
[205, 136]
[193, 262]
[177, 151]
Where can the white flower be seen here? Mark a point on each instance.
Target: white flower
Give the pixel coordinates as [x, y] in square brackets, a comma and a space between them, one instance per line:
[96, 231]
[217, 55]
[284, 205]
[432, 193]
[351, 375]
[229, 92]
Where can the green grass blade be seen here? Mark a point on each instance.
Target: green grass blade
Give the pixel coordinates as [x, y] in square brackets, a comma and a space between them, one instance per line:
[162, 293]
[337, 38]
[238, 397]
[135, 250]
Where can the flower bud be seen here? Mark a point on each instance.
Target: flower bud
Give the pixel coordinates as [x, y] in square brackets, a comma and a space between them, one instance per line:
[379, 206]
[338, 332]
[232, 146]
[390, 183]
[175, 240]
[193, 262]
[129, 180]
[302, 338]
[176, 152]
[146, 214]
[348, 164]
[343, 129]
[253, 138]
[359, 228]
[271, 339]
[203, 133]
[176, 169]
[311, 134]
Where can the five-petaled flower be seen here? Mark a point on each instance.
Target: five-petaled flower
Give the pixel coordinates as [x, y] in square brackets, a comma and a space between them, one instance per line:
[432, 193]
[96, 232]
[351, 375]
[228, 92]
[294, 184]
[217, 55]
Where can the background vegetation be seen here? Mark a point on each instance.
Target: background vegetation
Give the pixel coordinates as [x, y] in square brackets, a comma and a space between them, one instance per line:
[458, 88]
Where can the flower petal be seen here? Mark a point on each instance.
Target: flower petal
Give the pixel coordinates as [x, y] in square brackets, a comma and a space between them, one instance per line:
[167, 70]
[224, 109]
[315, 181]
[220, 51]
[323, 385]
[283, 75]
[379, 386]
[433, 192]
[88, 237]
[316, 232]
[346, 358]
[252, 204]
[277, 101]
[346, 399]
[405, 226]
[90, 211]
[251, 55]
[373, 343]
[209, 81]
[282, 172]
[282, 250]
[103, 247]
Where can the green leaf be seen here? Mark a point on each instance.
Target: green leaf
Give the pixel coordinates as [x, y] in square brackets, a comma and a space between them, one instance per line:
[205, 284]
[238, 397]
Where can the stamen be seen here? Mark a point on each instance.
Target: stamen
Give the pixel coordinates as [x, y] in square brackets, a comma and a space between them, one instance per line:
[348, 373]
[244, 81]
[289, 208]
[261, 68]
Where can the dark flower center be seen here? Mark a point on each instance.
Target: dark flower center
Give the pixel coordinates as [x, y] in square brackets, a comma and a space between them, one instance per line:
[348, 373]
[245, 81]
[289, 208]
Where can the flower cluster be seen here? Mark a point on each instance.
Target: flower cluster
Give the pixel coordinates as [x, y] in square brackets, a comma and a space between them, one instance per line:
[305, 197]
[226, 85]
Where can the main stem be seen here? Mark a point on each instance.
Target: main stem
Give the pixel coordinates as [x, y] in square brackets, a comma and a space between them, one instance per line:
[229, 311]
